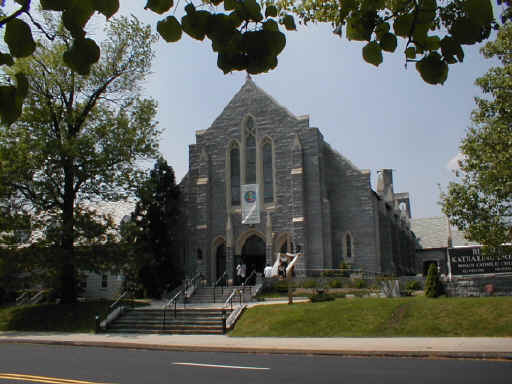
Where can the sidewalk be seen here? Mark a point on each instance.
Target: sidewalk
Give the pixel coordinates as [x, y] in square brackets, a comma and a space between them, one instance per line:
[449, 347]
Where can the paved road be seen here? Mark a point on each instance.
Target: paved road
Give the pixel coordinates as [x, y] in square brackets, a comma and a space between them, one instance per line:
[72, 365]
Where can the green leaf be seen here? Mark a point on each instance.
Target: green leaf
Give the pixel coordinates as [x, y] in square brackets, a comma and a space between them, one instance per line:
[55, 5]
[106, 7]
[236, 21]
[450, 48]
[196, 24]
[289, 22]
[159, 6]
[190, 8]
[229, 5]
[410, 53]
[270, 25]
[5, 58]
[372, 53]
[9, 108]
[216, 2]
[358, 29]
[75, 18]
[169, 29]
[479, 12]
[18, 38]
[253, 10]
[22, 86]
[433, 69]
[432, 43]
[426, 11]
[82, 55]
[464, 31]
[271, 11]
[381, 30]
[388, 42]
[403, 24]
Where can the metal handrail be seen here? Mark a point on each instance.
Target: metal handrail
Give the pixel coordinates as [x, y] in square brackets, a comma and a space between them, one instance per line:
[172, 301]
[230, 299]
[118, 299]
[249, 277]
[111, 308]
[224, 274]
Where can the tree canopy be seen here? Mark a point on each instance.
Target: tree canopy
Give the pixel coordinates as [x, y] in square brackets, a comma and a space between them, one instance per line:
[246, 34]
[153, 232]
[480, 203]
[79, 138]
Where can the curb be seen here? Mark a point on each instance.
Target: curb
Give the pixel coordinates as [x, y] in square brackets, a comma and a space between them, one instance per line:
[472, 355]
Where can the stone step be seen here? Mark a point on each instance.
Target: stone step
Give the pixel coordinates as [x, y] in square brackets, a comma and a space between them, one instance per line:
[167, 331]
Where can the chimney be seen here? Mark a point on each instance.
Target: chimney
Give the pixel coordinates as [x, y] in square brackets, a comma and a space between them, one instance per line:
[385, 184]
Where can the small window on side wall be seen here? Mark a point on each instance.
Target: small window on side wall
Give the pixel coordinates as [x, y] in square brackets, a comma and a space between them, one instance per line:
[104, 281]
[348, 245]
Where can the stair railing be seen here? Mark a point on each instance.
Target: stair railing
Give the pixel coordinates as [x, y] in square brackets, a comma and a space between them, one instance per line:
[112, 307]
[244, 283]
[223, 276]
[229, 300]
[170, 303]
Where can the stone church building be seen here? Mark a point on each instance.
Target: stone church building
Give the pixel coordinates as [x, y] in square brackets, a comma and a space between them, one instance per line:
[311, 198]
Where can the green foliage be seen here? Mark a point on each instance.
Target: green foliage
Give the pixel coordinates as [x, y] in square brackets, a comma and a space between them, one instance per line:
[310, 283]
[321, 297]
[480, 203]
[335, 284]
[433, 287]
[79, 138]
[237, 35]
[153, 233]
[413, 285]
[422, 25]
[359, 283]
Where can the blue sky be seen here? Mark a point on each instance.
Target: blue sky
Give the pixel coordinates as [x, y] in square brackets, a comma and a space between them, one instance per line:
[384, 117]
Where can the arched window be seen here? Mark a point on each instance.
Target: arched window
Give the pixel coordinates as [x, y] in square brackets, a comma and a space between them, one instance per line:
[250, 150]
[234, 155]
[348, 245]
[268, 180]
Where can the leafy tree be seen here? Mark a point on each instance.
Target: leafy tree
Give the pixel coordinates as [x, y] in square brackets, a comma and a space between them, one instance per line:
[247, 38]
[244, 37]
[433, 286]
[434, 31]
[154, 232]
[480, 204]
[79, 138]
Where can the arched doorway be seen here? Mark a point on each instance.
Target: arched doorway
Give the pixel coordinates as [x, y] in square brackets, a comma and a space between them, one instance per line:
[253, 254]
[220, 259]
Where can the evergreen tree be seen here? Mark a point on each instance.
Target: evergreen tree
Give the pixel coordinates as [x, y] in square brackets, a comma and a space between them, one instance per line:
[433, 286]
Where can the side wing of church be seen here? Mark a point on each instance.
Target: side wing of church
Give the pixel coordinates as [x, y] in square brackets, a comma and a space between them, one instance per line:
[310, 198]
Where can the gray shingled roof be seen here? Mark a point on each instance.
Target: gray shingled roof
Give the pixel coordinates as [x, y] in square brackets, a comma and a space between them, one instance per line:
[431, 232]
[458, 239]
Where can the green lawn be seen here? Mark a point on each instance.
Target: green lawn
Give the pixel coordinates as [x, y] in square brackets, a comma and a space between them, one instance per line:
[414, 316]
[77, 317]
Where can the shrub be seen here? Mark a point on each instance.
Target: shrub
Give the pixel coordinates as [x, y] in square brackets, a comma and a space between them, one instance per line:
[311, 283]
[281, 286]
[321, 296]
[433, 287]
[413, 285]
[335, 284]
[359, 283]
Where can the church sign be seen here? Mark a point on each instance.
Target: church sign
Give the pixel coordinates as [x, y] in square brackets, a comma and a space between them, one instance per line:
[250, 204]
[472, 261]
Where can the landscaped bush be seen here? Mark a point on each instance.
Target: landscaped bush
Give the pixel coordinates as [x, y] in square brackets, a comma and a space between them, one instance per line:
[413, 285]
[310, 283]
[433, 287]
[281, 286]
[335, 284]
[359, 283]
[321, 296]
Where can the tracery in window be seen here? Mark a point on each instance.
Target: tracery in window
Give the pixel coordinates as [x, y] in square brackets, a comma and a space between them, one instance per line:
[268, 180]
[235, 175]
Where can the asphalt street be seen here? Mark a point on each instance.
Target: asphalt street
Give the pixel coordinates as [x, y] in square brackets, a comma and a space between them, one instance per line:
[87, 365]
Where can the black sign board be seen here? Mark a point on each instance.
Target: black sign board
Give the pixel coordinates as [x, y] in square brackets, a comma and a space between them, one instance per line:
[472, 261]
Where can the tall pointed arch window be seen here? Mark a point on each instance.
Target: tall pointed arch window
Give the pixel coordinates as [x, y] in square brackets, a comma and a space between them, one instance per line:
[234, 155]
[250, 151]
[268, 177]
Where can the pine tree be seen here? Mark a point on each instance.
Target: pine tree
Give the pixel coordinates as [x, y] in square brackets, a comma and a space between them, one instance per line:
[433, 287]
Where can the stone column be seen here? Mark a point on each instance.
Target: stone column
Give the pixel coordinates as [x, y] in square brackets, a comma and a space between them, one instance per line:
[202, 203]
[297, 191]
[268, 240]
[229, 249]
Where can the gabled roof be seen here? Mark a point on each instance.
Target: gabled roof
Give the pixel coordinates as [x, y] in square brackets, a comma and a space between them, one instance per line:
[431, 232]
[458, 239]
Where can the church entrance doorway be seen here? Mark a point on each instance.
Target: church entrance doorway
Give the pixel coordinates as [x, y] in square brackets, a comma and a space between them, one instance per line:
[220, 258]
[253, 255]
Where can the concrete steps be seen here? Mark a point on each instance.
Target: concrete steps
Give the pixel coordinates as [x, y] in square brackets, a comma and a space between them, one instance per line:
[205, 295]
[186, 321]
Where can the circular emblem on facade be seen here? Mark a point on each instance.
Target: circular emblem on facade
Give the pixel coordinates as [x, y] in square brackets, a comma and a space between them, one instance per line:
[250, 196]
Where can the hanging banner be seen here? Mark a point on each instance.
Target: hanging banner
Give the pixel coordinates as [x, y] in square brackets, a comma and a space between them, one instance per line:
[250, 204]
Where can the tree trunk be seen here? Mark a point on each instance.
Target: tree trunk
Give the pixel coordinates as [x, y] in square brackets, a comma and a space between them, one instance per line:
[67, 272]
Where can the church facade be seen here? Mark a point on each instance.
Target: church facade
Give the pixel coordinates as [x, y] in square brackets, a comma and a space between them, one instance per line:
[310, 198]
